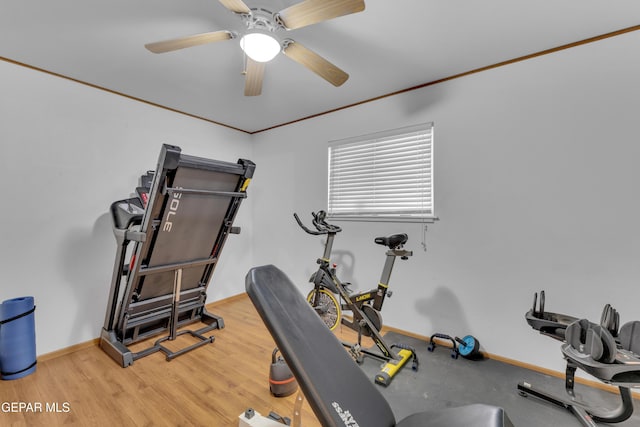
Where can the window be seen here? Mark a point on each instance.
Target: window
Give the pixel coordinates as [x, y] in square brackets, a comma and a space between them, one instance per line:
[383, 176]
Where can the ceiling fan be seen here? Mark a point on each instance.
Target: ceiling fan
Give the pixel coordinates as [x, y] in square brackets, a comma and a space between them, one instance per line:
[261, 45]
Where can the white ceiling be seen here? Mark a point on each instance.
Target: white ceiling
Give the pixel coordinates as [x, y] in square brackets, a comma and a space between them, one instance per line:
[391, 46]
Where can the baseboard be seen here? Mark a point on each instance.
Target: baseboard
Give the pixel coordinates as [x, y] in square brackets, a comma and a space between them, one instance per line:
[227, 299]
[96, 341]
[591, 383]
[68, 350]
[584, 381]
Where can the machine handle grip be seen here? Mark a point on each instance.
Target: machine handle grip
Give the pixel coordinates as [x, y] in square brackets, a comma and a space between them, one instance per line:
[322, 225]
[304, 227]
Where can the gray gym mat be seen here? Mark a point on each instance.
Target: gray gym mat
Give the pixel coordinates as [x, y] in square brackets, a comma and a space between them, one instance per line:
[445, 382]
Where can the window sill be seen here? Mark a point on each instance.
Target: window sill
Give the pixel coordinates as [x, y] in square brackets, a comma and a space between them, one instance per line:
[354, 218]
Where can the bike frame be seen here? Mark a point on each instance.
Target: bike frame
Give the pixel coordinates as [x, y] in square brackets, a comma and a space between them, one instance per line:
[379, 293]
[359, 319]
[325, 277]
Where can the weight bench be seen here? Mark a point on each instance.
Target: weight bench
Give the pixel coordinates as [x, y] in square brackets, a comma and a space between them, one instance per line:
[169, 242]
[338, 391]
[605, 351]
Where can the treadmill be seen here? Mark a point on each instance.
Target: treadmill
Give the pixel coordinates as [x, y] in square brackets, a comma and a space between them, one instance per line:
[169, 239]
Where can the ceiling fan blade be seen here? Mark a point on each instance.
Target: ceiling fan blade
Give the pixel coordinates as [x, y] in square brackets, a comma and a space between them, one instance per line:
[315, 63]
[189, 41]
[236, 6]
[312, 11]
[253, 79]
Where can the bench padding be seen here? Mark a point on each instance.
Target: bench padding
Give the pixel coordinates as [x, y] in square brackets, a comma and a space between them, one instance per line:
[338, 391]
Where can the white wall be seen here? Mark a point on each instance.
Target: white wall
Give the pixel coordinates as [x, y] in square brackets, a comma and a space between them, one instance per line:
[536, 187]
[68, 152]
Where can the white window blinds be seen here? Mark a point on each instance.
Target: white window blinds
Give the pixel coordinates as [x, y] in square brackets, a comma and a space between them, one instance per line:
[383, 176]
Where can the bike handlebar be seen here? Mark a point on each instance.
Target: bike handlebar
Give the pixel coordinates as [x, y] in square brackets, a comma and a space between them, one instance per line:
[304, 227]
[321, 225]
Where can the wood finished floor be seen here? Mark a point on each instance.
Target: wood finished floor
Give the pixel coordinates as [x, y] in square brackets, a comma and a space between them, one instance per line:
[210, 386]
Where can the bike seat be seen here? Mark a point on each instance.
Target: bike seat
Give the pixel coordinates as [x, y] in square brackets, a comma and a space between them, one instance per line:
[392, 241]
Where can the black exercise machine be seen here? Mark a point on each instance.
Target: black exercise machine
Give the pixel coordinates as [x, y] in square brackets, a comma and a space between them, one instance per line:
[338, 391]
[173, 232]
[365, 306]
[605, 351]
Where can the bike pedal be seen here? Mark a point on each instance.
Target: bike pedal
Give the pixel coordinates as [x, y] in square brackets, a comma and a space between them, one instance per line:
[356, 354]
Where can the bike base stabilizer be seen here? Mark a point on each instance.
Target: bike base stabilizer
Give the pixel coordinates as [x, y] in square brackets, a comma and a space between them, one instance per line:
[392, 367]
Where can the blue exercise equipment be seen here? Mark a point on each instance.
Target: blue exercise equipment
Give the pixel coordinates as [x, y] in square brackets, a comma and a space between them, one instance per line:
[467, 347]
[17, 338]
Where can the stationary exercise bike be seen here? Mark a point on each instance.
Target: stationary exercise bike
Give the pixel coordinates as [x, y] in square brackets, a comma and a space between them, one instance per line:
[364, 306]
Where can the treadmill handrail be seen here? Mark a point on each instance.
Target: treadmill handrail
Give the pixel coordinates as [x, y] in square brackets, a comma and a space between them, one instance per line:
[175, 266]
[172, 190]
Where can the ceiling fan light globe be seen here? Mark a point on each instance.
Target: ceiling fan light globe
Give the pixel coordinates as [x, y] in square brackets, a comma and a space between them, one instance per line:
[260, 47]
